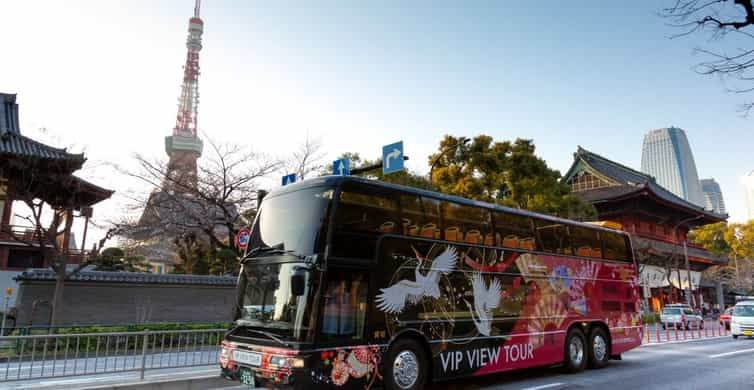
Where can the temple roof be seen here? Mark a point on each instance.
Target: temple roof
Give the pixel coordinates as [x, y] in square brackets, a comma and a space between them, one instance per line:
[667, 249]
[16, 145]
[627, 182]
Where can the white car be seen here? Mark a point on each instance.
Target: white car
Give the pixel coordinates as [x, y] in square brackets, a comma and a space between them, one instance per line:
[742, 320]
[680, 316]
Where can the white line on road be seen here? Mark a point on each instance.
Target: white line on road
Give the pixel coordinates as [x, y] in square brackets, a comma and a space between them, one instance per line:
[547, 386]
[732, 353]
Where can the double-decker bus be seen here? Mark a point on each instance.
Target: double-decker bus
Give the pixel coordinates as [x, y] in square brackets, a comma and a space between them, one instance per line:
[356, 283]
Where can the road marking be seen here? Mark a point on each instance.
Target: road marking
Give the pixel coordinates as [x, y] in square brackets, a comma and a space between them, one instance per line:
[547, 386]
[732, 353]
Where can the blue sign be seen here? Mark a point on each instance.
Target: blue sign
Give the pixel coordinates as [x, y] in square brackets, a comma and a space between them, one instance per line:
[392, 158]
[341, 167]
[288, 179]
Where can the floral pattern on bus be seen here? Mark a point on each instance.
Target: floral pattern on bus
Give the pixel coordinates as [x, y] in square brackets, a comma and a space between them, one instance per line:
[357, 363]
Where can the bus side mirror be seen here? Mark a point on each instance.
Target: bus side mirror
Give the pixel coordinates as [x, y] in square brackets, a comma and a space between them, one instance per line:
[298, 281]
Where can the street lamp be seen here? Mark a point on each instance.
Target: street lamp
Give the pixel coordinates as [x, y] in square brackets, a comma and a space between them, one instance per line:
[460, 142]
[685, 255]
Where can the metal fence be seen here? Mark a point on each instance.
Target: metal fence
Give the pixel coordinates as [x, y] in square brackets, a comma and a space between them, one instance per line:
[59, 355]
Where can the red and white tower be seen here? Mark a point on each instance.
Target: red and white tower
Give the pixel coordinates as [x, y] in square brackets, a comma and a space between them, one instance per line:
[184, 146]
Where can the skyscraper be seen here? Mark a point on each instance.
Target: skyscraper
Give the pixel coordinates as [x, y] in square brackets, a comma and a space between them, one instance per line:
[713, 196]
[749, 190]
[667, 156]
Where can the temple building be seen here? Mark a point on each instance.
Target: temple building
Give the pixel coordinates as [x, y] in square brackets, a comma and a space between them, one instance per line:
[33, 172]
[658, 221]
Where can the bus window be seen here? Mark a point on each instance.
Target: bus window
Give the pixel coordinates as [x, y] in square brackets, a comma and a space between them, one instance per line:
[616, 247]
[415, 221]
[345, 303]
[586, 242]
[465, 223]
[513, 231]
[360, 217]
[553, 237]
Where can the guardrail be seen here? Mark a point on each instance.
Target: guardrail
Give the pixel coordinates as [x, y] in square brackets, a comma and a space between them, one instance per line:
[672, 332]
[59, 355]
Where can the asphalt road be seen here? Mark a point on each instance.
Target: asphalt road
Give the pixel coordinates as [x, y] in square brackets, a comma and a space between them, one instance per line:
[721, 364]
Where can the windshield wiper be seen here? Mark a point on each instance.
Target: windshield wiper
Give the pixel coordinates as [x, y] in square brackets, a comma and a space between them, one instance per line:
[272, 250]
[270, 336]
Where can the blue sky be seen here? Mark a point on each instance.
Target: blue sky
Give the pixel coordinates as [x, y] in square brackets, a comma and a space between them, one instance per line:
[105, 76]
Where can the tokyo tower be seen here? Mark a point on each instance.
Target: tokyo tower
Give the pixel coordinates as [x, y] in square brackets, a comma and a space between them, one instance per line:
[184, 146]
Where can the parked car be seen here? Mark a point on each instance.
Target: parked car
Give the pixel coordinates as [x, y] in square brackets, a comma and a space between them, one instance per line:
[725, 318]
[680, 316]
[742, 320]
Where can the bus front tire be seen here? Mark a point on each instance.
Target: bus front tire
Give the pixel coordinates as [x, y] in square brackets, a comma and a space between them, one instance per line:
[406, 366]
[575, 351]
[599, 348]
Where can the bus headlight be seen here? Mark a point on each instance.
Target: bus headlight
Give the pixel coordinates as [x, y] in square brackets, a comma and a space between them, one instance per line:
[285, 362]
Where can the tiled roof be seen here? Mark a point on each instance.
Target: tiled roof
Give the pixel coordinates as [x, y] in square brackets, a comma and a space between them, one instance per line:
[630, 178]
[129, 278]
[668, 249]
[15, 144]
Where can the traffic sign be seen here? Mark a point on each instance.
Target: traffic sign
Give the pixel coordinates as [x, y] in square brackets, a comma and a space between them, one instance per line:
[392, 158]
[242, 238]
[341, 167]
[289, 179]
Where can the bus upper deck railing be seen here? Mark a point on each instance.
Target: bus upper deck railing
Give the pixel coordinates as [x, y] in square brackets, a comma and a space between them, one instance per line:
[64, 355]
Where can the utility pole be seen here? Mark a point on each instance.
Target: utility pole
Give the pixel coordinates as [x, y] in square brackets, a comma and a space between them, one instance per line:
[688, 271]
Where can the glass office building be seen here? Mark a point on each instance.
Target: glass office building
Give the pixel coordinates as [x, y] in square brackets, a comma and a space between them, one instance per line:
[667, 156]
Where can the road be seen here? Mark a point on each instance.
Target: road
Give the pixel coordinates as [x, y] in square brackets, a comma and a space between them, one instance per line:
[711, 364]
[721, 363]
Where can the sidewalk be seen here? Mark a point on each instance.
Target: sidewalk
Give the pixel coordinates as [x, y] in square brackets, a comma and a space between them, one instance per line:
[202, 377]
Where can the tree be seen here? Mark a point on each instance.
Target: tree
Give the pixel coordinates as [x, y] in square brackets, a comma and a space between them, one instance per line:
[115, 259]
[506, 173]
[734, 241]
[721, 19]
[307, 159]
[203, 215]
[54, 245]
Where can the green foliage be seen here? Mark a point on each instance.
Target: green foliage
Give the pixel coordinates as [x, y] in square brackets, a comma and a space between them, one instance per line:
[712, 238]
[650, 318]
[115, 259]
[226, 262]
[506, 173]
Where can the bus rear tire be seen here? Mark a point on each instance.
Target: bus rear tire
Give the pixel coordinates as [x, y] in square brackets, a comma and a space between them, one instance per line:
[599, 348]
[575, 351]
[406, 366]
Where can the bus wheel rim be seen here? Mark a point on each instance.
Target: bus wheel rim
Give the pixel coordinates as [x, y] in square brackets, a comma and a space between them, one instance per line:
[405, 369]
[576, 351]
[599, 347]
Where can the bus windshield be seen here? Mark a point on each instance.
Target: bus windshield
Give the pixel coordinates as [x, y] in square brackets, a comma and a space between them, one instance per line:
[293, 221]
[269, 304]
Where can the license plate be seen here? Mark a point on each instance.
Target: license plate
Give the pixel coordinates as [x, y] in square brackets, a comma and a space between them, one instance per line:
[747, 333]
[246, 377]
[249, 358]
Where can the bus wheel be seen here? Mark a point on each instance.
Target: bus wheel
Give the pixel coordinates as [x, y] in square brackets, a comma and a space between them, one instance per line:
[406, 366]
[575, 351]
[599, 348]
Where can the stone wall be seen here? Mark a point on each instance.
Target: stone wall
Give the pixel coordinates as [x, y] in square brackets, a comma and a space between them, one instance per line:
[126, 298]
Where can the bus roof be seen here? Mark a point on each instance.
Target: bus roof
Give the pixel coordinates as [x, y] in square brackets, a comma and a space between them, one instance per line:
[337, 180]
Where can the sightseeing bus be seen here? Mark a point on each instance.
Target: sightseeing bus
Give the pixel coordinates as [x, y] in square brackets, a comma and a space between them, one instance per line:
[357, 283]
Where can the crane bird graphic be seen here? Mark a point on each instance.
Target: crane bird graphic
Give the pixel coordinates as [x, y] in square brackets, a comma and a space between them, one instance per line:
[393, 299]
[486, 299]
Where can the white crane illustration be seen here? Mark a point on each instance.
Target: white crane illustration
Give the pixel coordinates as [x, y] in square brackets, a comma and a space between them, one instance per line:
[486, 299]
[393, 299]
